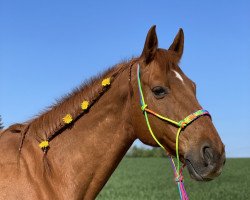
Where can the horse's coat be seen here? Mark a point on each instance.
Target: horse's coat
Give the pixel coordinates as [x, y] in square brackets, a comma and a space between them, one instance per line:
[83, 154]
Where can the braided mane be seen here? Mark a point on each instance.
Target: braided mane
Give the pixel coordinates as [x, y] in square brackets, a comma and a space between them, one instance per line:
[49, 124]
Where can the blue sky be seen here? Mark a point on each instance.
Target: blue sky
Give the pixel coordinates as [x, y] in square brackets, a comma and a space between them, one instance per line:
[49, 47]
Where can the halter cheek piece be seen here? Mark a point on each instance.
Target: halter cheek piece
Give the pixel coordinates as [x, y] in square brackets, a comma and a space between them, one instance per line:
[181, 124]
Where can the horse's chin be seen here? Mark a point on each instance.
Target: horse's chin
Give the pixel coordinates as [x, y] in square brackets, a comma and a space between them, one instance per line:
[193, 172]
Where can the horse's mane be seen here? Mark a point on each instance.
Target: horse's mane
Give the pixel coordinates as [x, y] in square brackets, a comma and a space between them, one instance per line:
[49, 123]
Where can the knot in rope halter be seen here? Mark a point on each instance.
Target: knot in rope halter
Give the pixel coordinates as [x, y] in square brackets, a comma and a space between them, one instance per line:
[179, 178]
[143, 107]
[181, 124]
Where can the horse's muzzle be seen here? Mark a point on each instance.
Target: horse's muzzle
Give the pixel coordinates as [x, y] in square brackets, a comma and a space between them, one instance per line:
[205, 164]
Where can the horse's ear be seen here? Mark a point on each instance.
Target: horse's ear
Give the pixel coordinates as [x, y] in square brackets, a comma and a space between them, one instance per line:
[150, 46]
[178, 44]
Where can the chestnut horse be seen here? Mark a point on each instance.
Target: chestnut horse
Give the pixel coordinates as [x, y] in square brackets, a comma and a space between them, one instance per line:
[53, 157]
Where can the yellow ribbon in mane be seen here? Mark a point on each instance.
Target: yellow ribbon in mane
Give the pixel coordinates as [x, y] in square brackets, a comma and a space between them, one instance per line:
[44, 144]
[67, 119]
[85, 105]
[106, 82]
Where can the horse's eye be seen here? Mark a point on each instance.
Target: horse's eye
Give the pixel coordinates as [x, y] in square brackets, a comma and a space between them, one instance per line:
[159, 92]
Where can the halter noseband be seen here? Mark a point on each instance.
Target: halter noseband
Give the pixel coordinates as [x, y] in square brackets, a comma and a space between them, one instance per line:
[181, 124]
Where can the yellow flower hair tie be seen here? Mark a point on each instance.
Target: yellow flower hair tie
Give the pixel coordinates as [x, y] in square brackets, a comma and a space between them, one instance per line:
[44, 144]
[85, 105]
[106, 82]
[67, 119]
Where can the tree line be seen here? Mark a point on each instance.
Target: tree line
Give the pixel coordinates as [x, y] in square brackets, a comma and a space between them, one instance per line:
[1, 123]
[136, 151]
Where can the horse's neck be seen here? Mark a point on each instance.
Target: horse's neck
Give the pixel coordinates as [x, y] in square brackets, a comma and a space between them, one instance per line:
[87, 154]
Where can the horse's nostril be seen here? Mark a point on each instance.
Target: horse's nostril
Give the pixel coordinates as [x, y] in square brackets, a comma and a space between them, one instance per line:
[207, 155]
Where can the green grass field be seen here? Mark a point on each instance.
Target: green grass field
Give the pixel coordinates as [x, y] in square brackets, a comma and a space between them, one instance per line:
[152, 178]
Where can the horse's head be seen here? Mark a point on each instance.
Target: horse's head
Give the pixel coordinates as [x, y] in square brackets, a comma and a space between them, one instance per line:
[169, 92]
